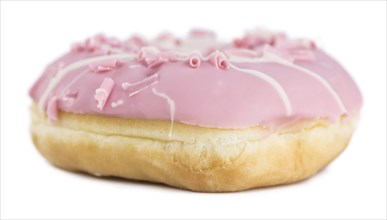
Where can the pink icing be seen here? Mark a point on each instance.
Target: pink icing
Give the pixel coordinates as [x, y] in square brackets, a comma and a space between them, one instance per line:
[205, 91]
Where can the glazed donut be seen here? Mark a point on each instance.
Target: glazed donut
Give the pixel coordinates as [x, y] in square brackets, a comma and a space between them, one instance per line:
[195, 113]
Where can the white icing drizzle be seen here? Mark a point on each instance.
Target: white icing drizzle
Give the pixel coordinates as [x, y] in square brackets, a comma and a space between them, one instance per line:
[281, 92]
[277, 59]
[63, 72]
[171, 104]
[117, 103]
[74, 80]
[324, 83]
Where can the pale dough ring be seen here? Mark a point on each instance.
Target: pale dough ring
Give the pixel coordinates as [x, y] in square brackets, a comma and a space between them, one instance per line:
[198, 159]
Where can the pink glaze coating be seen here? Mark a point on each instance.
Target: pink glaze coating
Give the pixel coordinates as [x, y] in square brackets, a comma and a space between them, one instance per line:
[263, 78]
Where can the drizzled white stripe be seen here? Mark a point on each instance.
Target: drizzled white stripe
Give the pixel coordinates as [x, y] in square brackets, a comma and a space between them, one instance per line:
[277, 59]
[324, 83]
[171, 104]
[63, 72]
[80, 75]
[281, 92]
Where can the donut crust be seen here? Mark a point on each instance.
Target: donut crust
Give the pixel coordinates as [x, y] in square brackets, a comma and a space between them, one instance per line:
[194, 158]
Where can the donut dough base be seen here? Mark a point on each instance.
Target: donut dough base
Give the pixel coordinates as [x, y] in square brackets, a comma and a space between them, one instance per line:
[194, 158]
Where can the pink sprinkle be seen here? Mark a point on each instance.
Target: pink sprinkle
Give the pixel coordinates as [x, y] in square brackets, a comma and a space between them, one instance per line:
[134, 88]
[148, 53]
[169, 56]
[166, 36]
[105, 66]
[305, 44]
[290, 55]
[125, 85]
[281, 36]
[103, 92]
[152, 57]
[197, 33]
[68, 101]
[100, 69]
[220, 61]
[114, 42]
[100, 37]
[249, 42]
[72, 94]
[237, 42]
[270, 49]
[267, 49]
[77, 47]
[136, 42]
[299, 44]
[254, 39]
[194, 60]
[302, 55]
[52, 109]
[156, 62]
[117, 103]
[92, 44]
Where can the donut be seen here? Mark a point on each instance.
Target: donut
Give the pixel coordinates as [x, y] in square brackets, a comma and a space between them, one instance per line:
[195, 113]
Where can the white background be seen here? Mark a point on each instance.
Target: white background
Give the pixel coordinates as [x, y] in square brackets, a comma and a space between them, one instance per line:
[33, 34]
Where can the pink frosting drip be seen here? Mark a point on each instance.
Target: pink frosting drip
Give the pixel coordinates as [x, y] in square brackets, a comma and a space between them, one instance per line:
[206, 90]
